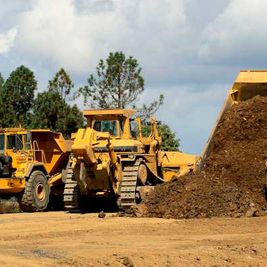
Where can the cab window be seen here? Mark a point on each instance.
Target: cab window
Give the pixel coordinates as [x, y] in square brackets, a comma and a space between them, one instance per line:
[2, 142]
[134, 129]
[14, 142]
[106, 126]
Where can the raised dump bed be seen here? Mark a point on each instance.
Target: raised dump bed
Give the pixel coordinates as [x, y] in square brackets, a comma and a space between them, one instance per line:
[248, 84]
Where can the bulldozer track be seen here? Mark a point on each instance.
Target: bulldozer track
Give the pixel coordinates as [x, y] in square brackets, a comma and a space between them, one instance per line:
[127, 192]
[70, 194]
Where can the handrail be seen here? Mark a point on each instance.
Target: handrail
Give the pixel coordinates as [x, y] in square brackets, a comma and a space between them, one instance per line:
[35, 149]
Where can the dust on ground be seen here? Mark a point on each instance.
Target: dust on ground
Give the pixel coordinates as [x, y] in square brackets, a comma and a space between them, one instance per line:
[62, 239]
[232, 182]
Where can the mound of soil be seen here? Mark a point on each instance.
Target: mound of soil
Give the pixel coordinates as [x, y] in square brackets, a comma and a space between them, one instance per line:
[9, 205]
[232, 181]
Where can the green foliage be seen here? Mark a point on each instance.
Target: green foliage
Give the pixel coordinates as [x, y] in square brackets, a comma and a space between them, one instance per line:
[73, 120]
[48, 110]
[48, 107]
[1, 81]
[51, 111]
[16, 98]
[169, 140]
[117, 84]
[61, 83]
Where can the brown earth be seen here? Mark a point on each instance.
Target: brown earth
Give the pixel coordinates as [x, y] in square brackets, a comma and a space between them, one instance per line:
[232, 182]
[10, 205]
[62, 239]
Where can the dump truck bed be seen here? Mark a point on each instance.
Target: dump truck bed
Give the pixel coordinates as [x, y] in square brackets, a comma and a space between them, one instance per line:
[248, 84]
[55, 149]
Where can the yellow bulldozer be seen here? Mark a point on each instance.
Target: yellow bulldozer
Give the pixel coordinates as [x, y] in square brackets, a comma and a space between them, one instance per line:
[110, 159]
[31, 164]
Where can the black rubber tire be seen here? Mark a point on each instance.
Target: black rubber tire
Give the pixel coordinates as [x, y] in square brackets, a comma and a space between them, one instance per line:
[30, 201]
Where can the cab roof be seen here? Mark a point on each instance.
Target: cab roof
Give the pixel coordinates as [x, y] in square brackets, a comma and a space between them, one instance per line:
[109, 112]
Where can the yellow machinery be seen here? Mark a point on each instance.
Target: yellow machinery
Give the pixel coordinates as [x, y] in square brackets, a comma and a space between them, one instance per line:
[31, 164]
[248, 84]
[109, 160]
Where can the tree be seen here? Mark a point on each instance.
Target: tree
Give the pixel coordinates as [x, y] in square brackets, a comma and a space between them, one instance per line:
[16, 97]
[169, 140]
[61, 83]
[51, 111]
[73, 120]
[147, 110]
[1, 81]
[117, 84]
[47, 110]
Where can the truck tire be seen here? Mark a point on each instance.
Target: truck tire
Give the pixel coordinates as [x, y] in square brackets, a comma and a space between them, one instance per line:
[36, 193]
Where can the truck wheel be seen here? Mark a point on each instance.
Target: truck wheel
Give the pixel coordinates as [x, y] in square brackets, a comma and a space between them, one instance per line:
[36, 193]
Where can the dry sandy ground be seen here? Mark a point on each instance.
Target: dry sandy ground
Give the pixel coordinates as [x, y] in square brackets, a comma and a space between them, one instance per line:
[62, 239]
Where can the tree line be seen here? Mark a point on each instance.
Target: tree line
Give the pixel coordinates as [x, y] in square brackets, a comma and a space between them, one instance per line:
[20, 106]
[116, 83]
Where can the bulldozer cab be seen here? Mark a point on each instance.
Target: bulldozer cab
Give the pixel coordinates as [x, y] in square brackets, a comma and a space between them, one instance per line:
[119, 123]
[114, 121]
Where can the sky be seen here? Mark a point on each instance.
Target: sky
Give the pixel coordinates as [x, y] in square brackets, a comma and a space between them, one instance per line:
[189, 50]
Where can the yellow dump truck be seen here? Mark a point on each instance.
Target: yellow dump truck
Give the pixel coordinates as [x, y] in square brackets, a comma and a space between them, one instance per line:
[110, 160]
[31, 164]
[248, 84]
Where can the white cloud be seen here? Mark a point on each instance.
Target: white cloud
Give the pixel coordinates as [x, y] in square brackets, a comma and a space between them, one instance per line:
[65, 35]
[189, 50]
[7, 40]
[183, 111]
[53, 31]
[237, 35]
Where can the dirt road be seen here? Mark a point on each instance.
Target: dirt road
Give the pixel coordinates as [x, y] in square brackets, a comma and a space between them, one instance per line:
[61, 239]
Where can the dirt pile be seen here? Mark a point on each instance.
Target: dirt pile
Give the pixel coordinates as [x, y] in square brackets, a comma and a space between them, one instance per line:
[9, 205]
[232, 182]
